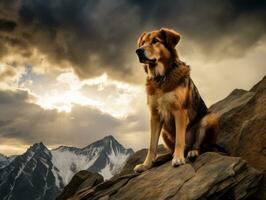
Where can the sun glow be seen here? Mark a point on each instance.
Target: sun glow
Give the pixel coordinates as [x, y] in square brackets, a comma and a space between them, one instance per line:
[64, 100]
[109, 96]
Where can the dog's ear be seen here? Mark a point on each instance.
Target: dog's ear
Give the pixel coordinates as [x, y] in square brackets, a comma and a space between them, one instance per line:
[140, 39]
[170, 37]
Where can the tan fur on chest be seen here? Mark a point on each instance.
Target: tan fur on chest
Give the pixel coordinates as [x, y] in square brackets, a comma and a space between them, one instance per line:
[166, 103]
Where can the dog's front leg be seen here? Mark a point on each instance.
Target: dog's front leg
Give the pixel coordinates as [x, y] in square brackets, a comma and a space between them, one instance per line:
[155, 129]
[180, 124]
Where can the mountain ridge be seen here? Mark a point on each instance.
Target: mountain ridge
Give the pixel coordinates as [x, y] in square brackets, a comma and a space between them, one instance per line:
[37, 175]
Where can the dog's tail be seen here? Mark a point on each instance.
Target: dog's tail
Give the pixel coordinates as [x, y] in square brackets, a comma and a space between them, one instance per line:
[210, 122]
[208, 132]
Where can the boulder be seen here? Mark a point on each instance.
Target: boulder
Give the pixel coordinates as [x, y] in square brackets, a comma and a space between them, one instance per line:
[211, 176]
[139, 157]
[83, 180]
[243, 126]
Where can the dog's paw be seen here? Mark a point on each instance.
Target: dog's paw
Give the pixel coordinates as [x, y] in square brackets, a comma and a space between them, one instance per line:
[193, 154]
[141, 168]
[178, 160]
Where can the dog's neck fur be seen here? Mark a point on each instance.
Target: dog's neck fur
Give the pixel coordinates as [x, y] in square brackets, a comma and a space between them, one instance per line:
[175, 75]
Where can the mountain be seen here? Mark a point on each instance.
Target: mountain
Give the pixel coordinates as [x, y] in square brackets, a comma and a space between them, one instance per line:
[29, 176]
[41, 173]
[5, 160]
[238, 174]
[105, 156]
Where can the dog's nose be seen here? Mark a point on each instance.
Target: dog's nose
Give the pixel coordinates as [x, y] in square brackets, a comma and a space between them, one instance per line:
[140, 51]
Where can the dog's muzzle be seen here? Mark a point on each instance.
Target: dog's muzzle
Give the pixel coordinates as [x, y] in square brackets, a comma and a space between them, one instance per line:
[142, 56]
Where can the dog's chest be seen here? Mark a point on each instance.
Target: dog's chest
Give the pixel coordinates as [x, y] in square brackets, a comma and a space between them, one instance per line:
[165, 104]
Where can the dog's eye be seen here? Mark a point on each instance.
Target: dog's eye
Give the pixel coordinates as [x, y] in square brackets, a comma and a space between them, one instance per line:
[154, 40]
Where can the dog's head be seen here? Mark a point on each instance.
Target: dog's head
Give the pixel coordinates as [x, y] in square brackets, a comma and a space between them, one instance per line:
[156, 50]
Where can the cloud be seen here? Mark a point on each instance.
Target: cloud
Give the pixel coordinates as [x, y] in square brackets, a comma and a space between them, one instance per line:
[7, 73]
[99, 36]
[24, 123]
[62, 90]
[9, 76]
[7, 25]
[216, 79]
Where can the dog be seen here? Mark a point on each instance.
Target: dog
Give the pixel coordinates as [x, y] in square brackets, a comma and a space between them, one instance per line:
[177, 111]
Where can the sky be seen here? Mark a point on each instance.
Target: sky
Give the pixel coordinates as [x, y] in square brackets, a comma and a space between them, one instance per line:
[69, 74]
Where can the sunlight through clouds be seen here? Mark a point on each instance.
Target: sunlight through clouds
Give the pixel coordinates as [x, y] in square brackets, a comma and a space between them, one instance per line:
[63, 100]
[116, 98]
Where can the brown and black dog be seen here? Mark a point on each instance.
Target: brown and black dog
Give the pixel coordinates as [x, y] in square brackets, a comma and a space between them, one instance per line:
[177, 111]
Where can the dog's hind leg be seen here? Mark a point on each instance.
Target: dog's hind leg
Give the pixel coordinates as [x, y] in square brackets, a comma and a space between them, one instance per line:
[168, 141]
[206, 135]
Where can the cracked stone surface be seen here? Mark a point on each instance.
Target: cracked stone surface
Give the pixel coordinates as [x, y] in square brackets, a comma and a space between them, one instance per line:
[243, 127]
[211, 176]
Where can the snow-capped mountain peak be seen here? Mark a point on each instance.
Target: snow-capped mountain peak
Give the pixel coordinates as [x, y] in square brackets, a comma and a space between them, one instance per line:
[40, 173]
[111, 156]
[108, 143]
[105, 156]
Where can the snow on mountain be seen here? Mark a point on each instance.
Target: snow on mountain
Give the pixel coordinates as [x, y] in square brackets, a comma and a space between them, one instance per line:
[105, 156]
[40, 173]
[68, 163]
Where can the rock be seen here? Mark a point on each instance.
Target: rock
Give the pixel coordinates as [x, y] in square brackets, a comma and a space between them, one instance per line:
[81, 180]
[243, 126]
[211, 176]
[260, 85]
[137, 158]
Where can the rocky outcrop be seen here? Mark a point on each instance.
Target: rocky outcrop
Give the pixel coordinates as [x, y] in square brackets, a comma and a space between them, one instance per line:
[83, 180]
[243, 126]
[139, 157]
[212, 175]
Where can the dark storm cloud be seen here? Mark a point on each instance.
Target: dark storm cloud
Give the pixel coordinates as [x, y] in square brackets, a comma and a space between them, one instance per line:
[97, 36]
[7, 25]
[28, 123]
